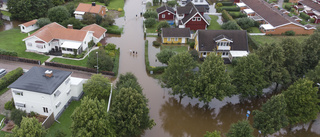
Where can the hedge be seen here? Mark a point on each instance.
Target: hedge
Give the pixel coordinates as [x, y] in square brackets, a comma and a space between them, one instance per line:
[155, 70]
[116, 62]
[304, 16]
[9, 53]
[114, 31]
[226, 15]
[231, 8]
[10, 77]
[226, 3]
[237, 14]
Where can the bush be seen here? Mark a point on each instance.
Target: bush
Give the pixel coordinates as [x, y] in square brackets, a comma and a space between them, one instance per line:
[162, 24]
[195, 55]
[303, 22]
[226, 16]
[8, 53]
[237, 14]
[290, 33]
[219, 5]
[9, 105]
[150, 14]
[312, 20]
[227, 3]
[16, 116]
[286, 1]
[245, 23]
[290, 14]
[120, 9]
[10, 77]
[91, 44]
[172, 3]
[149, 22]
[114, 31]
[111, 46]
[230, 25]
[99, 44]
[191, 45]
[257, 24]
[287, 7]
[156, 43]
[32, 113]
[42, 22]
[304, 16]
[231, 8]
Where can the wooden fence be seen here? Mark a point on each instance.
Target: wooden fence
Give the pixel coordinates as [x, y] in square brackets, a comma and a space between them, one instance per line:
[48, 122]
[13, 58]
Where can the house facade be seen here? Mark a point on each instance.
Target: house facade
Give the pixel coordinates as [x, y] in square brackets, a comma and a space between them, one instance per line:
[175, 35]
[166, 13]
[54, 37]
[227, 43]
[46, 91]
[92, 8]
[191, 17]
[198, 3]
[29, 26]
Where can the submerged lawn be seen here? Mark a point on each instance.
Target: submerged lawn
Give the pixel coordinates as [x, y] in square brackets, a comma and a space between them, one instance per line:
[11, 40]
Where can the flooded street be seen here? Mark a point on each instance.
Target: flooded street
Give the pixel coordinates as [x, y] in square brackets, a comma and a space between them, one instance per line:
[190, 118]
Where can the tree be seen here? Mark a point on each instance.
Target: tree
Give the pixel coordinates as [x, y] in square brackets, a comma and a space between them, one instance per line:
[245, 22]
[314, 75]
[213, 81]
[105, 62]
[172, 3]
[129, 113]
[311, 51]
[16, 116]
[30, 127]
[162, 24]
[293, 57]
[107, 21]
[179, 74]
[249, 77]
[58, 2]
[43, 21]
[194, 54]
[164, 55]
[272, 116]
[302, 101]
[213, 134]
[150, 14]
[128, 80]
[58, 14]
[240, 129]
[97, 86]
[230, 25]
[273, 57]
[26, 10]
[88, 19]
[149, 22]
[91, 119]
[71, 7]
[74, 22]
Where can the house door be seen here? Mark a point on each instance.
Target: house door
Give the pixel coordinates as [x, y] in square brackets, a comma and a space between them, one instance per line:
[56, 47]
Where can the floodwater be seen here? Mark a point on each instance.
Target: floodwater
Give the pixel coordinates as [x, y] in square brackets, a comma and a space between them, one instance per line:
[9, 25]
[190, 118]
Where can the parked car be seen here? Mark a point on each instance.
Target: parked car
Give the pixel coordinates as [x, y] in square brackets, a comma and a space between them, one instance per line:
[2, 72]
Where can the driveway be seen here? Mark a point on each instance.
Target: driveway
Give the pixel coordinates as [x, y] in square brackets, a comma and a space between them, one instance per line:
[4, 98]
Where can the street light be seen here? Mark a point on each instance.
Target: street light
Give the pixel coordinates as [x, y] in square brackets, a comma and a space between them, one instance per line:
[97, 63]
[109, 98]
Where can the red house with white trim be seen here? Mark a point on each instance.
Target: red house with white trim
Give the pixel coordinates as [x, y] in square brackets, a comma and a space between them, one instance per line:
[191, 16]
[166, 13]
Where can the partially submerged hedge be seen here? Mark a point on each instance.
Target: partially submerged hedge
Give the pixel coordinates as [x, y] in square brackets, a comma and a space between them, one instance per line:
[10, 78]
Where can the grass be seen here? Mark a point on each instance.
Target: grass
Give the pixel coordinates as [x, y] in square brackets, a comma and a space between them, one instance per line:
[176, 48]
[116, 4]
[82, 63]
[65, 121]
[3, 91]
[116, 63]
[6, 13]
[11, 40]
[214, 25]
[286, 3]
[261, 40]
[153, 28]
[254, 30]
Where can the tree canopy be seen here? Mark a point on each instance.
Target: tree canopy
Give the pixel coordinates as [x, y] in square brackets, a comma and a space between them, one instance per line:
[164, 55]
[43, 21]
[230, 25]
[16, 116]
[128, 80]
[240, 129]
[311, 51]
[58, 14]
[90, 119]
[314, 75]
[162, 24]
[150, 14]
[30, 127]
[212, 134]
[149, 22]
[74, 22]
[97, 86]
[245, 22]
[105, 62]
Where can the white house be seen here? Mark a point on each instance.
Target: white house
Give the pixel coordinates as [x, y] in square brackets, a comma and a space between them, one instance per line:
[54, 37]
[46, 91]
[29, 26]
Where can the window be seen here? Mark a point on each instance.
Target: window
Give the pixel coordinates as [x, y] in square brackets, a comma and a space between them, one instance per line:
[58, 104]
[45, 109]
[68, 92]
[195, 0]
[223, 53]
[64, 49]
[85, 42]
[67, 81]
[40, 46]
[175, 39]
[227, 53]
[29, 44]
[57, 93]
[201, 0]
[204, 53]
[18, 93]
[198, 19]
[168, 39]
[69, 49]
[194, 19]
[163, 15]
[22, 27]
[22, 105]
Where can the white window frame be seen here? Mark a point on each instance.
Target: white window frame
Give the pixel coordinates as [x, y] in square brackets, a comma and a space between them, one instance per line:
[194, 19]
[58, 104]
[68, 92]
[176, 39]
[163, 15]
[67, 81]
[199, 19]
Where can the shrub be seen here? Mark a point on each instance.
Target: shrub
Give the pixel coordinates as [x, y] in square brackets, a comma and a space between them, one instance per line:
[42, 22]
[289, 33]
[106, 2]
[191, 45]
[303, 22]
[120, 9]
[172, 3]
[162, 24]
[149, 22]
[99, 44]
[32, 113]
[237, 14]
[304, 16]
[111, 46]
[226, 16]
[16, 116]
[219, 5]
[91, 44]
[8, 53]
[114, 31]
[9, 105]
[286, 1]
[287, 7]
[227, 3]
[150, 14]
[156, 43]
[231, 8]
[245, 23]
[290, 14]
[194, 53]
[312, 20]
[230, 25]
[10, 77]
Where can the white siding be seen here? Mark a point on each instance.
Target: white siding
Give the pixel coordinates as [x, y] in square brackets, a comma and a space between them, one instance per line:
[31, 45]
[29, 28]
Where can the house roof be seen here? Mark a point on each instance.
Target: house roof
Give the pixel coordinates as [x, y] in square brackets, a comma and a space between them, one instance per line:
[189, 6]
[164, 8]
[89, 8]
[176, 32]
[206, 39]
[191, 15]
[35, 80]
[98, 30]
[311, 4]
[27, 24]
[56, 31]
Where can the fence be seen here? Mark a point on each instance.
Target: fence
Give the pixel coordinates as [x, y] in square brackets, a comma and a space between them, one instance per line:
[55, 64]
[12, 58]
[48, 121]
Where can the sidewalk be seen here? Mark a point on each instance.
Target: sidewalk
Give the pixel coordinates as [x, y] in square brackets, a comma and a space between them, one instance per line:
[4, 98]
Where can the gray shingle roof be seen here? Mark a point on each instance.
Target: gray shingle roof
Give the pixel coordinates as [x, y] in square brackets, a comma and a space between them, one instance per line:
[207, 42]
[164, 8]
[176, 32]
[311, 4]
[189, 6]
[35, 80]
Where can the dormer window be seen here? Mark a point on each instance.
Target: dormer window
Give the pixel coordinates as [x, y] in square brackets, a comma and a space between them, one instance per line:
[198, 19]
[194, 19]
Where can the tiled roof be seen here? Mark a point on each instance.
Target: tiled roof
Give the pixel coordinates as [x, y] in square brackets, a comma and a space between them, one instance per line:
[27, 24]
[176, 32]
[89, 8]
[311, 4]
[164, 8]
[206, 39]
[98, 30]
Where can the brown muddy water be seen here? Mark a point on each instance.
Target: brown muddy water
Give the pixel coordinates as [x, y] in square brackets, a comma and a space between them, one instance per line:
[9, 25]
[191, 118]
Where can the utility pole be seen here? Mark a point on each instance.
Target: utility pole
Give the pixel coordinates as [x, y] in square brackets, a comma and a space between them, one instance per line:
[97, 63]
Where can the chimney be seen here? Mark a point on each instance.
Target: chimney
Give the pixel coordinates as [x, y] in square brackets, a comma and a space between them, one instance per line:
[70, 26]
[93, 3]
[48, 73]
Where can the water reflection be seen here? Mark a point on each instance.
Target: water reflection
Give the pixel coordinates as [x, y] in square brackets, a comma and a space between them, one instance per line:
[9, 25]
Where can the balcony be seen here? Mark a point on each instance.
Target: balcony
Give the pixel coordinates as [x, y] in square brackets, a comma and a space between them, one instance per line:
[223, 47]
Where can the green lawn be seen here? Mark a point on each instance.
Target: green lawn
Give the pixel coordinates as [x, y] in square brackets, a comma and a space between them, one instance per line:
[82, 63]
[116, 4]
[175, 47]
[214, 25]
[65, 121]
[3, 90]
[6, 13]
[2, 134]
[254, 30]
[11, 40]
[261, 40]
[153, 28]
[286, 3]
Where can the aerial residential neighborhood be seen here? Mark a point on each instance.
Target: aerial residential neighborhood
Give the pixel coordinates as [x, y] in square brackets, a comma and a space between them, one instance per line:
[169, 68]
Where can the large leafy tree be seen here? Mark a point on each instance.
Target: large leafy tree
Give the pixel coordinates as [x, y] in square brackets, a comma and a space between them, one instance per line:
[293, 57]
[26, 10]
[249, 77]
[97, 86]
[302, 101]
[75, 23]
[179, 74]
[16, 116]
[272, 116]
[314, 75]
[273, 57]
[240, 129]
[58, 14]
[230, 25]
[43, 21]
[311, 51]
[162, 24]
[128, 80]
[30, 127]
[105, 62]
[212, 81]
[165, 55]
[90, 119]
[212, 134]
[245, 22]
[129, 113]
